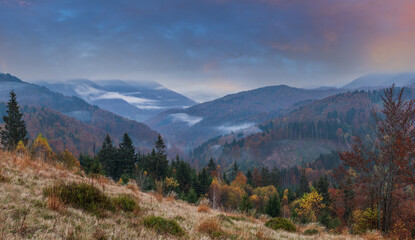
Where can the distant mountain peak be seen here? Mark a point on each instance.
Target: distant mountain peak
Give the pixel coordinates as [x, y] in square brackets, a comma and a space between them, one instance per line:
[6, 77]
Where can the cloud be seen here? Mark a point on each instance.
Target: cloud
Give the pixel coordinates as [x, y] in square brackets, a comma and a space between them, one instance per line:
[234, 128]
[188, 119]
[190, 45]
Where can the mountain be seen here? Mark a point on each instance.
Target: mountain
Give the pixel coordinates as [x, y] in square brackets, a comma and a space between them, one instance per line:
[236, 112]
[133, 100]
[59, 107]
[320, 127]
[380, 80]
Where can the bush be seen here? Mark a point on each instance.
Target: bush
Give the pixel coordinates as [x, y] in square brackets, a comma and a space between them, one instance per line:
[246, 204]
[203, 209]
[125, 203]
[364, 220]
[192, 196]
[311, 231]
[211, 228]
[82, 196]
[281, 223]
[326, 220]
[163, 226]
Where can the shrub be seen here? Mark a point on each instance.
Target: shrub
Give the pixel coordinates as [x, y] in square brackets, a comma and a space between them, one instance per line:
[125, 203]
[281, 223]
[4, 178]
[203, 209]
[211, 228]
[246, 204]
[326, 220]
[163, 226]
[364, 220]
[83, 196]
[311, 231]
[125, 178]
[192, 196]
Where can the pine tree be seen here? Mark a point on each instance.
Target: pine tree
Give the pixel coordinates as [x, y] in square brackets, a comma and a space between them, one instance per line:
[107, 156]
[304, 187]
[211, 166]
[126, 158]
[15, 128]
[161, 163]
[235, 169]
[273, 207]
[322, 188]
[249, 177]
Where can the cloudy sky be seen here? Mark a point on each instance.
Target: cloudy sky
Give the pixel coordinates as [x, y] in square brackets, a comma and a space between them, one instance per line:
[207, 48]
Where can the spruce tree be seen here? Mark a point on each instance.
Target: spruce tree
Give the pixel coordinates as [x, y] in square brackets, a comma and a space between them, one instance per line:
[126, 159]
[273, 207]
[15, 128]
[234, 171]
[107, 156]
[211, 166]
[161, 162]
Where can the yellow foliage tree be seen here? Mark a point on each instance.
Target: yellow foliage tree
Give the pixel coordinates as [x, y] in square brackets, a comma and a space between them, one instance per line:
[170, 183]
[21, 149]
[309, 206]
[240, 180]
[67, 159]
[262, 196]
[41, 148]
[284, 205]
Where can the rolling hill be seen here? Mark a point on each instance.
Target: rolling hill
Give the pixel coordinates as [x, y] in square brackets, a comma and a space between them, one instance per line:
[53, 108]
[322, 126]
[241, 111]
[135, 100]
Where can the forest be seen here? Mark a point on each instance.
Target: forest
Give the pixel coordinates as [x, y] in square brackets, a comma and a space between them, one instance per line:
[370, 186]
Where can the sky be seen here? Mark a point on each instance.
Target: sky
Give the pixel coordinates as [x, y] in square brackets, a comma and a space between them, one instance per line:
[207, 48]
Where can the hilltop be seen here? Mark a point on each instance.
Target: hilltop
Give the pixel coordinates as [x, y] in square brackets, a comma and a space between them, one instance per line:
[28, 213]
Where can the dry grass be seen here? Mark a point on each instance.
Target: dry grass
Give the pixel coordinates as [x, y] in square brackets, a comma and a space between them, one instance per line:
[203, 209]
[26, 213]
[54, 203]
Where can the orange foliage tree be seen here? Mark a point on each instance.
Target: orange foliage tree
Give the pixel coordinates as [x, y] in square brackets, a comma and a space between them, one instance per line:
[384, 165]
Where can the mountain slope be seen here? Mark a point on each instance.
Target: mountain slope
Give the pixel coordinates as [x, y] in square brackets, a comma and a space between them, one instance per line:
[41, 97]
[323, 126]
[189, 127]
[380, 80]
[133, 100]
[28, 213]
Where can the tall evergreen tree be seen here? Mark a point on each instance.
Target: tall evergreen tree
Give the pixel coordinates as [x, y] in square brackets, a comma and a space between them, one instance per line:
[234, 171]
[126, 158]
[15, 128]
[322, 187]
[273, 207]
[211, 166]
[161, 163]
[107, 156]
[249, 177]
[304, 187]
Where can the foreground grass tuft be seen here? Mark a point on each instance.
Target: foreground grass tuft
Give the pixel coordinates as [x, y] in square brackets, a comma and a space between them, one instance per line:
[163, 226]
[281, 223]
[311, 231]
[211, 228]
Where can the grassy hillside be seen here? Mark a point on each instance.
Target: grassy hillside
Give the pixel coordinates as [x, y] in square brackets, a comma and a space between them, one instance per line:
[29, 210]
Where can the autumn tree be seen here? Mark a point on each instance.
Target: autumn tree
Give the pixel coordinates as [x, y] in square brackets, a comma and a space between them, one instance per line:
[40, 148]
[14, 128]
[384, 164]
